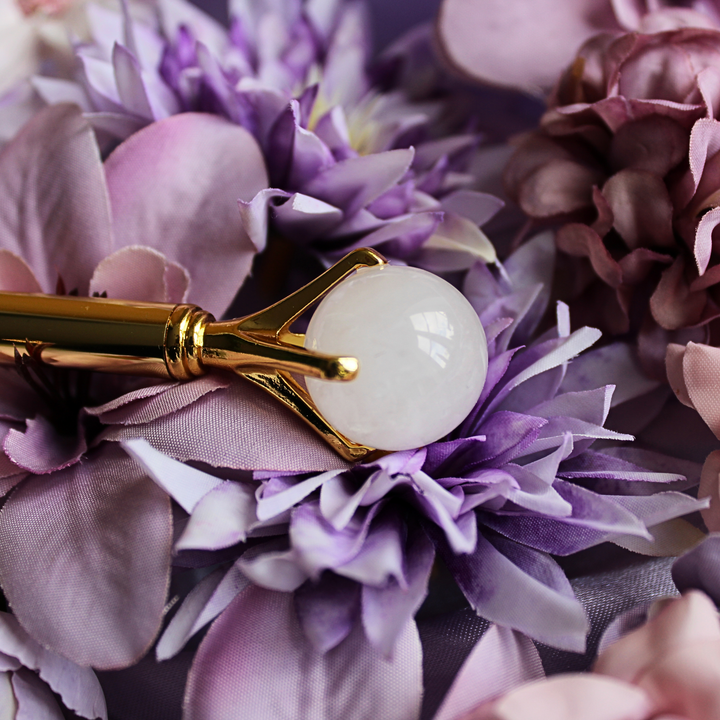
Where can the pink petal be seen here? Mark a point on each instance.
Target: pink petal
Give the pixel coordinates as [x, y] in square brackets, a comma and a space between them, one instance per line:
[675, 372]
[16, 275]
[256, 663]
[704, 238]
[188, 210]
[78, 687]
[580, 240]
[570, 697]
[519, 44]
[673, 304]
[140, 273]
[686, 681]
[53, 200]
[683, 622]
[500, 661]
[701, 366]
[99, 537]
[641, 208]
[202, 605]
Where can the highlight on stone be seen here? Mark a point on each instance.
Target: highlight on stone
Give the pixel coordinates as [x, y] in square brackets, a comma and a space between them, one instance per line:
[422, 353]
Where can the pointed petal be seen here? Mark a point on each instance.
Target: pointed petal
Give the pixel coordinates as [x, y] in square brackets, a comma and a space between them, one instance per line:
[352, 184]
[502, 660]
[255, 662]
[241, 428]
[99, 534]
[386, 610]
[523, 589]
[191, 217]
[186, 485]
[327, 610]
[202, 605]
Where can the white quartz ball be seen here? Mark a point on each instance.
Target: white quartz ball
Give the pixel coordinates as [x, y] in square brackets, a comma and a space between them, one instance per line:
[422, 352]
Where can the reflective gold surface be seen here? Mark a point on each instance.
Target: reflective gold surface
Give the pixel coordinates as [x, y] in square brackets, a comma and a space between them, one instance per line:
[184, 341]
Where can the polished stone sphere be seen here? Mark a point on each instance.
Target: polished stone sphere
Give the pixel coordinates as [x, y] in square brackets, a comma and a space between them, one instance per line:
[422, 353]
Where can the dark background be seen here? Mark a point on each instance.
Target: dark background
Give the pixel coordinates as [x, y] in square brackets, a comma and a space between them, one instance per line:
[390, 17]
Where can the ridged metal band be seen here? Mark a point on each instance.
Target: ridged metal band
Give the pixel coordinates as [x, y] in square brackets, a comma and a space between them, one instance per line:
[184, 336]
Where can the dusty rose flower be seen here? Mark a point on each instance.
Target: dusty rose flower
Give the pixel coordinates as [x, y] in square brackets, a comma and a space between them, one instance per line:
[624, 162]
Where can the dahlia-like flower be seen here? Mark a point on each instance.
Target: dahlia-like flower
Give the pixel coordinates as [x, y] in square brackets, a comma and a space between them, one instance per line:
[348, 165]
[515, 484]
[86, 535]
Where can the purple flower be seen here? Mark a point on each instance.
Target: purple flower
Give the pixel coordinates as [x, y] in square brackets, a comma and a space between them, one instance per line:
[516, 484]
[86, 535]
[348, 165]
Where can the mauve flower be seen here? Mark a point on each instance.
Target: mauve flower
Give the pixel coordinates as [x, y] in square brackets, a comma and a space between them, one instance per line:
[349, 166]
[35, 682]
[624, 162]
[515, 484]
[86, 535]
[668, 668]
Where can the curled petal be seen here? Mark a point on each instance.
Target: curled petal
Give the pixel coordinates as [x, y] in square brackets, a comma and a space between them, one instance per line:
[140, 273]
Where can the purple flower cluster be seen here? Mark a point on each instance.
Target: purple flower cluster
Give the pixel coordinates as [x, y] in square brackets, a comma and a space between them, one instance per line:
[348, 165]
[514, 485]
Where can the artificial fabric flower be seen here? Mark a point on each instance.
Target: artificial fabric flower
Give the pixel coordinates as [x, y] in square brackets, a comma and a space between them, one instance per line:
[624, 162]
[668, 667]
[515, 484]
[33, 680]
[86, 535]
[693, 373]
[348, 165]
[526, 46]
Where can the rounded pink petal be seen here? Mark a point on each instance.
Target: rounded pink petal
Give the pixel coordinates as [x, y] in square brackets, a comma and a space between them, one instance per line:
[701, 366]
[686, 681]
[140, 273]
[174, 186]
[518, 43]
[54, 210]
[686, 621]
[570, 697]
